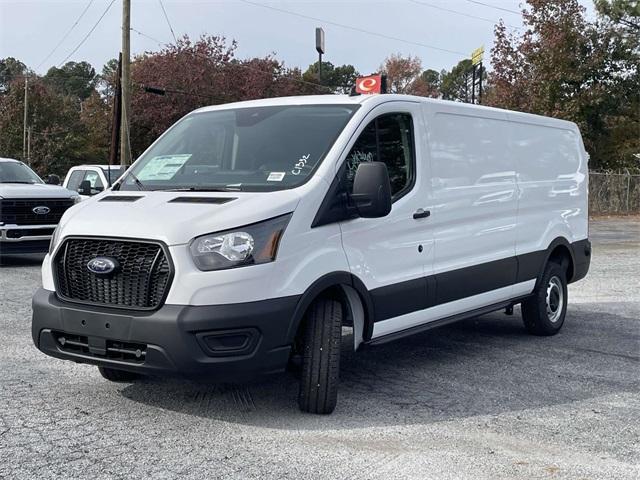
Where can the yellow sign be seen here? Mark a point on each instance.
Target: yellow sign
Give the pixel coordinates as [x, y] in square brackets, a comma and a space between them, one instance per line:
[476, 55]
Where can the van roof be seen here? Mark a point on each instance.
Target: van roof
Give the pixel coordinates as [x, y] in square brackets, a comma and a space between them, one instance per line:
[382, 98]
[2, 159]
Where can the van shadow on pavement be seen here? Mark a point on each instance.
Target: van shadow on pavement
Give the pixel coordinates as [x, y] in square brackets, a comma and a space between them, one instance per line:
[482, 366]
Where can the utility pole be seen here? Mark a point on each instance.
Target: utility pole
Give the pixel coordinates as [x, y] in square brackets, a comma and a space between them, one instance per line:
[125, 151]
[116, 116]
[29, 145]
[26, 109]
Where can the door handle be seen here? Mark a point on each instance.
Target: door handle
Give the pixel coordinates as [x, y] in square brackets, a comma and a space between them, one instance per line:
[421, 213]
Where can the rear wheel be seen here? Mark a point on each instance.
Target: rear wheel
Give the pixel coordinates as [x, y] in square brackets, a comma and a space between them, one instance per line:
[321, 338]
[543, 313]
[115, 375]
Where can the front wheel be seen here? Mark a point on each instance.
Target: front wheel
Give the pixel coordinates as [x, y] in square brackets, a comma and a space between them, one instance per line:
[543, 313]
[321, 338]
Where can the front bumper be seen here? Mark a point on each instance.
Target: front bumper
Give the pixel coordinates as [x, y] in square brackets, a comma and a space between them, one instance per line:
[17, 239]
[218, 342]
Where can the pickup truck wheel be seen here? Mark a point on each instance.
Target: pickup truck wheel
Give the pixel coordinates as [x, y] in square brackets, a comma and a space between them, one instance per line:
[114, 375]
[543, 313]
[321, 338]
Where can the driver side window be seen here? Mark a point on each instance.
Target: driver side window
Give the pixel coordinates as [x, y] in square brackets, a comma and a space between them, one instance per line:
[387, 139]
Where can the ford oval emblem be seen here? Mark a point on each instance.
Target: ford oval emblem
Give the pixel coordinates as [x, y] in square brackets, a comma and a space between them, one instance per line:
[41, 210]
[102, 265]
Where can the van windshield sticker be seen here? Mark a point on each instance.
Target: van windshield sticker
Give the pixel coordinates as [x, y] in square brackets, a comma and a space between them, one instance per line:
[300, 164]
[163, 167]
[275, 176]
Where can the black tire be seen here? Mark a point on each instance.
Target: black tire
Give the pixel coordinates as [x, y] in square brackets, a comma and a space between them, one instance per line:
[543, 313]
[114, 375]
[321, 338]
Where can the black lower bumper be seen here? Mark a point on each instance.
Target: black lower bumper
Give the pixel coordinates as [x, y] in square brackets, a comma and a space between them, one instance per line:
[582, 259]
[24, 247]
[219, 342]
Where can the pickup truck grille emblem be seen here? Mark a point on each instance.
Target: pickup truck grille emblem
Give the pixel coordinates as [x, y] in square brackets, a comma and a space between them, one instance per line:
[102, 265]
[41, 210]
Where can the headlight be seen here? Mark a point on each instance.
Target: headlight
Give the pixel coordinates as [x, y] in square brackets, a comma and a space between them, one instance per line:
[54, 239]
[250, 245]
[76, 199]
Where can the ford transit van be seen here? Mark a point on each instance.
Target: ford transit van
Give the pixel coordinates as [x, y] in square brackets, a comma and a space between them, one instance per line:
[249, 234]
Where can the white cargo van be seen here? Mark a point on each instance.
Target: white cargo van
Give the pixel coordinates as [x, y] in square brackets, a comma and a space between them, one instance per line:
[248, 234]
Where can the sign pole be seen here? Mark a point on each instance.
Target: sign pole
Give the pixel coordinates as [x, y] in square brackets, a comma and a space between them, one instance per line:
[480, 86]
[476, 62]
[473, 84]
[320, 50]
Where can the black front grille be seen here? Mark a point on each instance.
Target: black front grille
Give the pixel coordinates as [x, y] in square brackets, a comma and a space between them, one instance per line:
[20, 211]
[140, 282]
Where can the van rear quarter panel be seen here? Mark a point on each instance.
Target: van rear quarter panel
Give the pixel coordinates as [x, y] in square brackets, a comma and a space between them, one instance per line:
[552, 181]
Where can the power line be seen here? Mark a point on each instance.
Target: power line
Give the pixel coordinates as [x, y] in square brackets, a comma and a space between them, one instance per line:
[88, 33]
[65, 35]
[456, 12]
[162, 44]
[168, 22]
[494, 6]
[349, 27]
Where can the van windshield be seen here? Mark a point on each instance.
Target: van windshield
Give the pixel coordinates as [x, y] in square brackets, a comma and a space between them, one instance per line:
[247, 149]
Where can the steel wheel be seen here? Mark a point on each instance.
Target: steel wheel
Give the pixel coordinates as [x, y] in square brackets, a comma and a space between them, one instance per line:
[554, 299]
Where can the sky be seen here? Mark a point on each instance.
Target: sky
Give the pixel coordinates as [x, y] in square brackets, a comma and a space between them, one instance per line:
[440, 32]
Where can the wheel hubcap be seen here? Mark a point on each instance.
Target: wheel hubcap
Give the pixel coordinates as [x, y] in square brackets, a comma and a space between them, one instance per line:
[555, 299]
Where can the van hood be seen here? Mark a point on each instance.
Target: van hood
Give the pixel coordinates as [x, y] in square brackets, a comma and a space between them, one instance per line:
[34, 190]
[174, 218]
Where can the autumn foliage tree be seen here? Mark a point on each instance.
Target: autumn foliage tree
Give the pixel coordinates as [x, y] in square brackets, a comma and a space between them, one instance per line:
[58, 137]
[567, 67]
[198, 73]
[336, 78]
[562, 65]
[405, 75]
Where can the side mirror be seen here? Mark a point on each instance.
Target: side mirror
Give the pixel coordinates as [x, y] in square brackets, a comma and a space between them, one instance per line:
[85, 188]
[372, 190]
[53, 179]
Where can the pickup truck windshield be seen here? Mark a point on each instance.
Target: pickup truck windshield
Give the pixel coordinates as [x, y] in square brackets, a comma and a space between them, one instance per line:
[247, 149]
[16, 172]
[112, 174]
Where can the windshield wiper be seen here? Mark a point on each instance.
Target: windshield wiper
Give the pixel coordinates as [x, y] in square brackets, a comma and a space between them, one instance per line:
[16, 181]
[136, 180]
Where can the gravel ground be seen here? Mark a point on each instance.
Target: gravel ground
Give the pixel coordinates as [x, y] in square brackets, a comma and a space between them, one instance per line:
[478, 399]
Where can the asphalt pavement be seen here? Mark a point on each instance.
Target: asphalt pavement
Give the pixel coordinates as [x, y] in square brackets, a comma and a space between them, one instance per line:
[477, 399]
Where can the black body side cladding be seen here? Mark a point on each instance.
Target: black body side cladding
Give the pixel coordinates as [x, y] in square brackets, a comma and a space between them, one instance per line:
[413, 295]
[581, 259]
